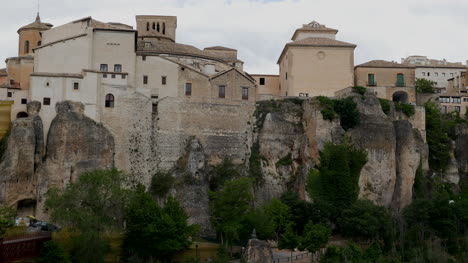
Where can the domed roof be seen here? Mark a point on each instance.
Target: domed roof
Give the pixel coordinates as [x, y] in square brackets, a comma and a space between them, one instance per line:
[37, 24]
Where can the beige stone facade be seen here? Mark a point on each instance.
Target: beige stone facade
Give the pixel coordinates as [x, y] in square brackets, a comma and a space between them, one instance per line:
[389, 80]
[314, 63]
[267, 85]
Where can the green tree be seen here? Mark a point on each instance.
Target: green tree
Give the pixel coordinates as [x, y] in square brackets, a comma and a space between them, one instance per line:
[229, 206]
[365, 220]
[223, 172]
[155, 232]
[314, 237]
[424, 85]
[280, 215]
[259, 220]
[7, 219]
[92, 205]
[288, 240]
[53, 252]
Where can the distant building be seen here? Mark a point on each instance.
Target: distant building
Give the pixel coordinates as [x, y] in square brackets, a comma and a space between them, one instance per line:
[315, 63]
[438, 71]
[388, 80]
[267, 85]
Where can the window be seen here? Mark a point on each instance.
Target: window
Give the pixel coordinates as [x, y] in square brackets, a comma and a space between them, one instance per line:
[444, 109]
[158, 29]
[113, 76]
[163, 80]
[145, 79]
[117, 68]
[47, 84]
[154, 26]
[370, 80]
[104, 68]
[400, 80]
[262, 81]
[76, 85]
[436, 74]
[147, 26]
[164, 28]
[286, 75]
[109, 101]
[303, 94]
[143, 57]
[428, 74]
[465, 99]
[24, 101]
[9, 94]
[245, 93]
[12, 82]
[46, 101]
[457, 108]
[39, 43]
[188, 89]
[124, 76]
[26, 47]
[222, 92]
[456, 100]
[424, 74]
[443, 74]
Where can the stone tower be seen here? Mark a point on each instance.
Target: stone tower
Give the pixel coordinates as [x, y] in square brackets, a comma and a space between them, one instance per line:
[160, 27]
[30, 36]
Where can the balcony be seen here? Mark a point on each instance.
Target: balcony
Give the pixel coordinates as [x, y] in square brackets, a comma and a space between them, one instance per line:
[371, 83]
[400, 84]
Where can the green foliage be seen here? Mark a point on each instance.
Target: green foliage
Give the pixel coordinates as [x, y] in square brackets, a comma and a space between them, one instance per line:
[385, 105]
[285, 161]
[352, 253]
[255, 164]
[288, 240]
[223, 172]
[229, 206]
[89, 246]
[424, 85]
[7, 219]
[365, 220]
[315, 236]
[153, 231]
[4, 143]
[360, 90]
[438, 139]
[406, 108]
[345, 108]
[280, 215]
[420, 186]
[340, 167]
[161, 184]
[53, 252]
[259, 220]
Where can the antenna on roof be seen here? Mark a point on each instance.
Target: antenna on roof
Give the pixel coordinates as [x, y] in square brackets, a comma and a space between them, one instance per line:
[38, 18]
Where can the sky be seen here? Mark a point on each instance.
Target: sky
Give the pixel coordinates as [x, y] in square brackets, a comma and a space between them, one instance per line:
[259, 29]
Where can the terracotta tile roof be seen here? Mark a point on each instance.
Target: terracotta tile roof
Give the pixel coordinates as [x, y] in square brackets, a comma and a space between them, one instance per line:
[221, 48]
[3, 72]
[383, 64]
[316, 42]
[37, 24]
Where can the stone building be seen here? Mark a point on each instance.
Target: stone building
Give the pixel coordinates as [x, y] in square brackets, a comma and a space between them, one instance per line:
[389, 80]
[267, 85]
[315, 63]
[438, 71]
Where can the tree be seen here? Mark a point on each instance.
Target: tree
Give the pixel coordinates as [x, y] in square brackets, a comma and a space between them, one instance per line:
[53, 252]
[314, 237]
[288, 240]
[90, 206]
[229, 206]
[7, 219]
[424, 85]
[155, 232]
[280, 215]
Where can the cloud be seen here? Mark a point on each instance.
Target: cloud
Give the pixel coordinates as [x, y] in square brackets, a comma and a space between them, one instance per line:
[259, 29]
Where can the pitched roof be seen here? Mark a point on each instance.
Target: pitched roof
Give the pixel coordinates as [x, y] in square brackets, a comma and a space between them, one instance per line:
[244, 74]
[316, 42]
[37, 24]
[221, 48]
[383, 64]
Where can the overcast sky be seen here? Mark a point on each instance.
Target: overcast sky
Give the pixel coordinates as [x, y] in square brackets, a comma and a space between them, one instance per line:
[259, 29]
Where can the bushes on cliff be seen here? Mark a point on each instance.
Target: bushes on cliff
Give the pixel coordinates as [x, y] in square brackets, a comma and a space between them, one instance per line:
[385, 105]
[406, 108]
[161, 184]
[336, 181]
[345, 108]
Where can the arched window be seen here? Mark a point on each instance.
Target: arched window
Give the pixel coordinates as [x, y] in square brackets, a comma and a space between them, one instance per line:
[26, 47]
[164, 28]
[147, 26]
[109, 101]
[158, 27]
[154, 26]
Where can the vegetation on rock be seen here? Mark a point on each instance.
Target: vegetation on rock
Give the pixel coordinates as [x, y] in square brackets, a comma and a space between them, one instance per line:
[406, 108]
[345, 108]
[424, 85]
[385, 105]
[161, 184]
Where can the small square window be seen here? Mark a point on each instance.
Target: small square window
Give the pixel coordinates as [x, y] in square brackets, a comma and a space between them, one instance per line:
[24, 101]
[9, 94]
[12, 82]
[145, 79]
[46, 101]
[76, 86]
[113, 76]
[47, 84]
[143, 58]
[124, 76]
[117, 68]
[104, 75]
[188, 89]
[163, 80]
[104, 67]
[262, 81]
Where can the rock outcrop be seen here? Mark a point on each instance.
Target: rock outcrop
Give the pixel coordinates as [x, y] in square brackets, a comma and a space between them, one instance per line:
[257, 251]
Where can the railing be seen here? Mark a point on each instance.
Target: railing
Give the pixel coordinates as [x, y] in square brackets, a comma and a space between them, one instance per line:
[293, 258]
[371, 83]
[22, 247]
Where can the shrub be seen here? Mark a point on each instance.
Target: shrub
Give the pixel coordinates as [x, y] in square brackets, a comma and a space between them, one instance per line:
[424, 86]
[360, 90]
[161, 183]
[385, 105]
[314, 237]
[7, 219]
[345, 108]
[407, 109]
[53, 252]
[285, 161]
[255, 164]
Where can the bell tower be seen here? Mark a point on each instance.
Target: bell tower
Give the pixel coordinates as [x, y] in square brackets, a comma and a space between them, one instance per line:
[161, 27]
[30, 36]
